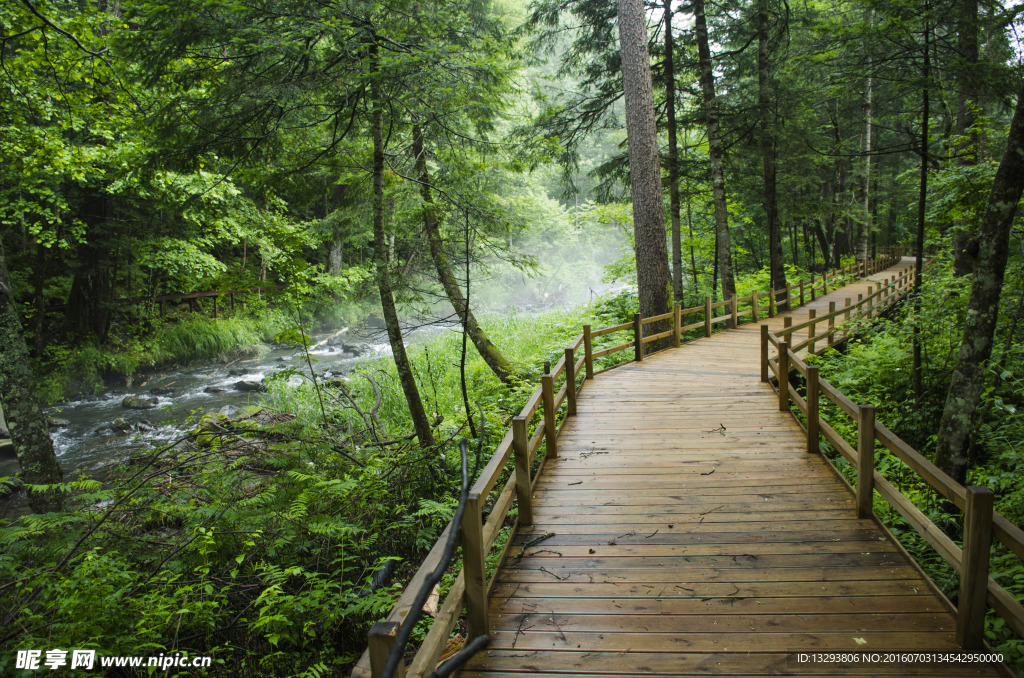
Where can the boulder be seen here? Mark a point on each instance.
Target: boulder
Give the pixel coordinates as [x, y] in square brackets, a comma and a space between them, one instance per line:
[358, 349]
[161, 391]
[214, 390]
[55, 422]
[228, 410]
[138, 403]
[238, 371]
[7, 449]
[120, 425]
[247, 386]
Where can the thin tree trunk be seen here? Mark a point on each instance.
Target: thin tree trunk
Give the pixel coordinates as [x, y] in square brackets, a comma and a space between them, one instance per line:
[653, 279]
[707, 85]
[673, 157]
[25, 419]
[916, 376]
[963, 399]
[689, 229]
[500, 365]
[387, 300]
[776, 269]
[967, 46]
[866, 234]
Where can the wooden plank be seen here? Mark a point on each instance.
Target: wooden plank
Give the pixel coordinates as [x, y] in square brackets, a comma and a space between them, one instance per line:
[652, 641]
[552, 590]
[734, 606]
[701, 625]
[608, 330]
[733, 663]
[809, 576]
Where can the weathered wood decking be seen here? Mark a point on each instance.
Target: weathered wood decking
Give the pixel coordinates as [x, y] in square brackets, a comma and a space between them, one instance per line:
[694, 535]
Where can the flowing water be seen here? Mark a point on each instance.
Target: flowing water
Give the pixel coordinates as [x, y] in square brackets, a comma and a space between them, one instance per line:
[88, 435]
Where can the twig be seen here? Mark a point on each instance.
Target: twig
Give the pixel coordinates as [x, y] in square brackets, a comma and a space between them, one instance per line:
[544, 569]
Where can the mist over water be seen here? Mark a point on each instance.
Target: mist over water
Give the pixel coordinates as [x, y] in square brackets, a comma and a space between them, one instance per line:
[569, 270]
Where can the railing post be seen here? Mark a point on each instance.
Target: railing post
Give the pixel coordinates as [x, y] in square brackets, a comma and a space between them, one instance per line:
[678, 320]
[524, 489]
[570, 380]
[801, 292]
[588, 352]
[811, 329]
[764, 354]
[813, 291]
[865, 459]
[547, 394]
[831, 323]
[787, 322]
[638, 338]
[734, 323]
[382, 639]
[849, 302]
[789, 297]
[783, 376]
[871, 301]
[753, 306]
[970, 612]
[812, 409]
[707, 316]
[473, 567]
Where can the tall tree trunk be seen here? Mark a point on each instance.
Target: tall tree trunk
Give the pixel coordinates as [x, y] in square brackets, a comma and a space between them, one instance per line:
[707, 85]
[922, 200]
[689, 229]
[776, 269]
[969, 150]
[500, 365]
[387, 300]
[963, 399]
[866, 233]
[652, 272]
[967, 80]
[25, 418]
[673, 157]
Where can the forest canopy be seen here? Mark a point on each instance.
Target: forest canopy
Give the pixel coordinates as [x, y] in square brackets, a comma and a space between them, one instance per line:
[205, 179]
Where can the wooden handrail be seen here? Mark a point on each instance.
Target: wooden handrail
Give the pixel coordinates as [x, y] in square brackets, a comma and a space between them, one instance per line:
[522, 448]
[978, 590]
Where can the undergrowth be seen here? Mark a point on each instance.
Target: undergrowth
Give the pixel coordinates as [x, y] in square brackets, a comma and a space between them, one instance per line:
[877, 369]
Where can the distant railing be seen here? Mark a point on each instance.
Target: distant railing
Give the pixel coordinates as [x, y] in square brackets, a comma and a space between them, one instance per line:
[559, 385]
[978, 591]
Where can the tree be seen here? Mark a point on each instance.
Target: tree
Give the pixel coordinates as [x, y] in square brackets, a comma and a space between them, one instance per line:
[707, 85]
[25, 419]
[644, 163]
[777, 270]
[498, 363]
[963, 399]
[673, 157]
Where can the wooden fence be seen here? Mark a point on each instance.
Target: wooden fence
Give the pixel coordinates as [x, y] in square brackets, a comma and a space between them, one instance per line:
[559, 386]
[978, 591]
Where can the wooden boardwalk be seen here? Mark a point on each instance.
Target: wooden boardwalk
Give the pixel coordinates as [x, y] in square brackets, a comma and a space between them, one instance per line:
[692, 534]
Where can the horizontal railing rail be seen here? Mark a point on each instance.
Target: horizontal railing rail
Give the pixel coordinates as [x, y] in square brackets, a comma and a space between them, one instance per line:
[560, 385]
[981, 524]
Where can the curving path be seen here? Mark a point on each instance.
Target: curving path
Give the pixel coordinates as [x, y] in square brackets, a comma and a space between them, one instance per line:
[692, 534]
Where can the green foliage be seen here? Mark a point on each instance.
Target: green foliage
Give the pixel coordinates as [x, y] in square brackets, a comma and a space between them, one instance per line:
[876, 368]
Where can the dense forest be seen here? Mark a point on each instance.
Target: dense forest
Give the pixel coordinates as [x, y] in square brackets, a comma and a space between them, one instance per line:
[204, 180]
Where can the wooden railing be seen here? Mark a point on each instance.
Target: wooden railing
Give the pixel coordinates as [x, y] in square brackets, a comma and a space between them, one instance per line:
[978, 591]
[559, 386]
